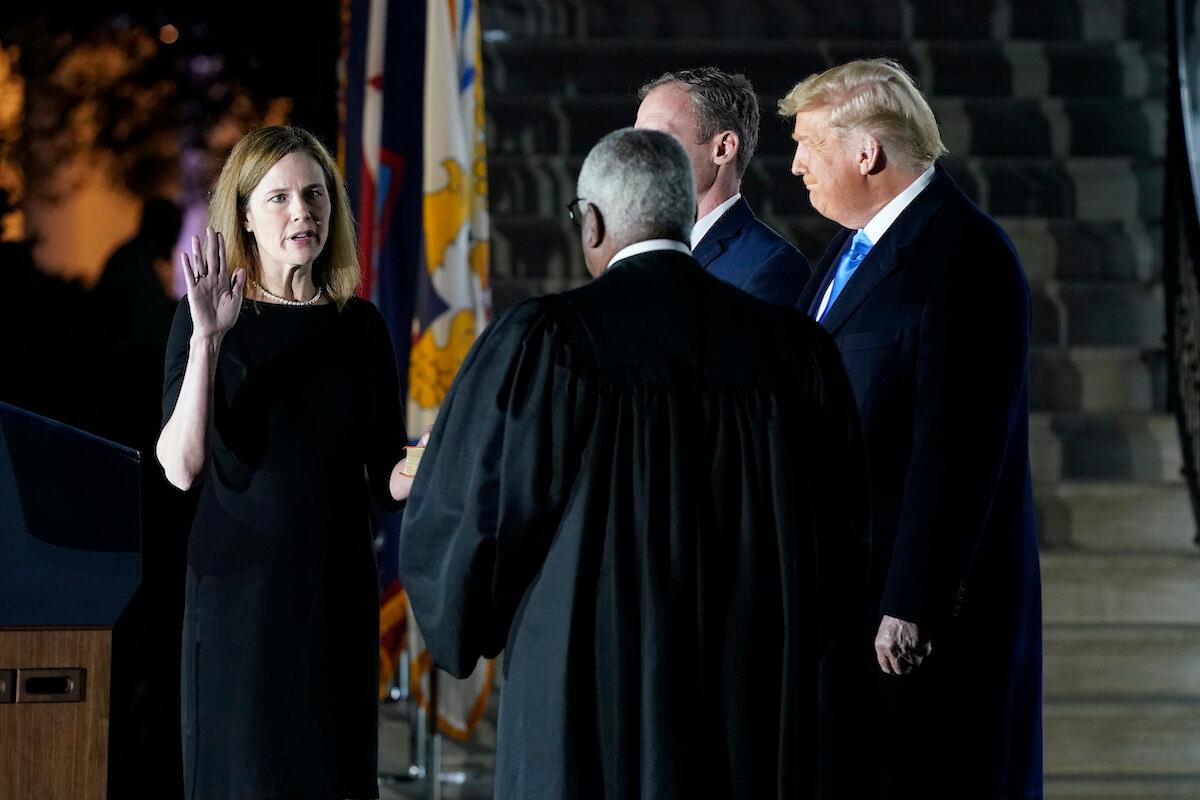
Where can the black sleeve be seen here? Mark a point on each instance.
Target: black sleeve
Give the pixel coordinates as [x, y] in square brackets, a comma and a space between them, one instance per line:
[488, 496]
[385, 444]
[177, 358]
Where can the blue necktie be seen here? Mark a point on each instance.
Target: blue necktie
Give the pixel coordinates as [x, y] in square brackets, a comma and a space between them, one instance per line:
[860, 245]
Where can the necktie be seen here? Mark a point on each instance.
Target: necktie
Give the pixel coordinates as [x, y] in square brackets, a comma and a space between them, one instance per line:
[860, 245]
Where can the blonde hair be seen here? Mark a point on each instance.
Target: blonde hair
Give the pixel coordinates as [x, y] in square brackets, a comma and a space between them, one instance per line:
[875, 97]
[336, 269]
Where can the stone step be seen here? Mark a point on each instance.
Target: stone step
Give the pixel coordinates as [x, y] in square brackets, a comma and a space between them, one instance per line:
[994, 127]
[1105, 447]
[534, 246]
[1116, 787]
[1036, 19]
[1098, 313]
[1097, 379]
[941, 67]
[1121, 662]
[525, 198]
[1085, 20]
[1069, 249]
[1085, 189]
[755, 19]
[1074, 314]
[1116, 517]
[1092, 588]
[1053, 127]
[1122, 738]
[1051, 250]
[1094, 190]
[1091, 337]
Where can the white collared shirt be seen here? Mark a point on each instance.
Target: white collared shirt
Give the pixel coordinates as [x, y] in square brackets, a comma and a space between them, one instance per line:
[647, 246]
[705, 223]
[883, 219]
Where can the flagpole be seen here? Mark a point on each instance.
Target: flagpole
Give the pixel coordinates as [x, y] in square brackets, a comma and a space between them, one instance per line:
[434, 740]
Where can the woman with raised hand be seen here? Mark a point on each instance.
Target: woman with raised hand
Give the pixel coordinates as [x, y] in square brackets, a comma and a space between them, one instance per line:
[281, 411]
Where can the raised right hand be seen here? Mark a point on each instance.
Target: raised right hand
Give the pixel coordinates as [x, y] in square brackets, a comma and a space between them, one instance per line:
[215, 300]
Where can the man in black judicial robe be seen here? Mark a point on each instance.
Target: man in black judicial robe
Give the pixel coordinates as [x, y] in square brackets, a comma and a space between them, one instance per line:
[926, 300]
[648, 492]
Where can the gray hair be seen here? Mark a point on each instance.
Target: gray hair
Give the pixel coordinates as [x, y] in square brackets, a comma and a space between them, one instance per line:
[723, 102]
[641, 180]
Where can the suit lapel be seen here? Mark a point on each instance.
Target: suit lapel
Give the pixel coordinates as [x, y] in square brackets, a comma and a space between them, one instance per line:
[727, 227]
[888, 253]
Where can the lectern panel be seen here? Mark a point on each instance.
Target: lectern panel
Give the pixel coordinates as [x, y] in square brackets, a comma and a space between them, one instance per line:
[56, 750]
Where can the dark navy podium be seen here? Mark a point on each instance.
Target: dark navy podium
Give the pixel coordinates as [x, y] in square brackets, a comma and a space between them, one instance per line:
[70, 560]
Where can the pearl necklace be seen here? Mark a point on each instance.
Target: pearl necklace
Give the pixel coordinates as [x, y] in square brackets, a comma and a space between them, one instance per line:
[284, 300]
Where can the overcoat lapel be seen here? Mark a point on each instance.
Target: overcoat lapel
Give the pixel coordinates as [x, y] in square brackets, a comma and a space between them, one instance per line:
[887, 255]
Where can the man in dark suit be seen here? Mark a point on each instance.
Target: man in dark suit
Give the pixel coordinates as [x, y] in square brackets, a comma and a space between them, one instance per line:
[619, 493]
[929, 306]
[714, 115]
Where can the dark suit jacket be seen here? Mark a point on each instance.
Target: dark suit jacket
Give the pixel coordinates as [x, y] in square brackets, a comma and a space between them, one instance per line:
[934, 331]
[743, 250]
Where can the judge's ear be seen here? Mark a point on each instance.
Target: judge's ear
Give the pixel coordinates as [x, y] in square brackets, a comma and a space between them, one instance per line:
[870, 157]
[726, 148]
[594, 229]
[593, 235]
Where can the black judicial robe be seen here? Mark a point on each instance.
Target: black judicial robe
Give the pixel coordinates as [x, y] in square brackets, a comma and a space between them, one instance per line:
[648, 492]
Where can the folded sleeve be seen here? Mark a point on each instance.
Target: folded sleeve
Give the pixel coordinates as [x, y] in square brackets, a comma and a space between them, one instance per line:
[489, 493]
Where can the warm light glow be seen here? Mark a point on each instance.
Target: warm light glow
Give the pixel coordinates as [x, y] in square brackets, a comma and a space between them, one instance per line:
[12, 104]
[168, 34]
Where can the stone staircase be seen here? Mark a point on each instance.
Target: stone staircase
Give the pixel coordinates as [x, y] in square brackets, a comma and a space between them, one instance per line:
[1054, 114]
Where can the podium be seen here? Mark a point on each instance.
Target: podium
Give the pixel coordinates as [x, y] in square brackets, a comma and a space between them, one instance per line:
[70, 560]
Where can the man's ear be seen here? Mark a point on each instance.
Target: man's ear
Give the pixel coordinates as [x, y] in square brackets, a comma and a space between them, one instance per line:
[593, 227]
[726, 148]
[871, 158]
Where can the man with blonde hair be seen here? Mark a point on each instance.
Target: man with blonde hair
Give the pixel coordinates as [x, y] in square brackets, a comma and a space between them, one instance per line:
[928, 304]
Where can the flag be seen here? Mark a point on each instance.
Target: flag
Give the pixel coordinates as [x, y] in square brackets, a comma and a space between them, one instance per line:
[453, 299]
[414, 155]
[453, 302]
[379, 150]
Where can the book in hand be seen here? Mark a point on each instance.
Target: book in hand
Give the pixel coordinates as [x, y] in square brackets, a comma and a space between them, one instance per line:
[412, 460]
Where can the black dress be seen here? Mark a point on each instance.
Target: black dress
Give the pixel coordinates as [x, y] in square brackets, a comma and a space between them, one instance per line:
[650, 492]
[280, 641]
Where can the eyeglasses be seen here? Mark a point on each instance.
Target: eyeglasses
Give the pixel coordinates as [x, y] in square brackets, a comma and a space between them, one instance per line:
[576, 212]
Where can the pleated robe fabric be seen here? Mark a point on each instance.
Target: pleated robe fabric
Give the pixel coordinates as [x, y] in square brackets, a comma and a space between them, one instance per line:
[649, 493]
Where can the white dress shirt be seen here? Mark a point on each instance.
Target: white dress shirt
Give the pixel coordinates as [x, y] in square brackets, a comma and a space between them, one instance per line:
[705, 223]
[883, 219]
[647, 246]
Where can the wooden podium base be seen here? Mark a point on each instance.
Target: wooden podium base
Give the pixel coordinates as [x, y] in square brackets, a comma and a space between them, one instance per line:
[54, 707]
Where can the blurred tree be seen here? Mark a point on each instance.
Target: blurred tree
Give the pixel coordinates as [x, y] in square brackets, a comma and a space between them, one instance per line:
[144, 92]
[12, 99]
